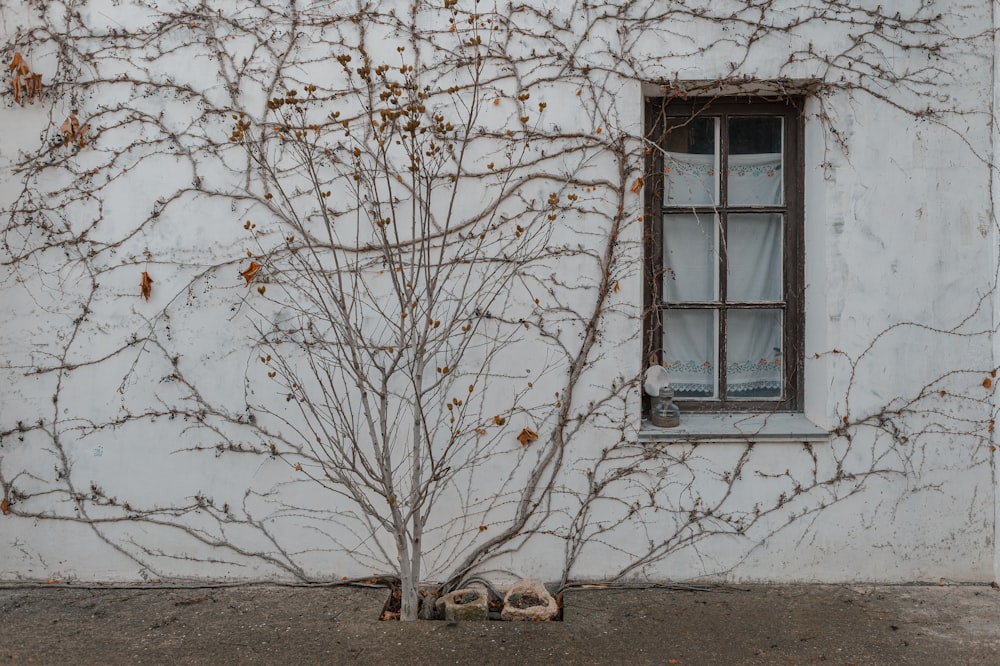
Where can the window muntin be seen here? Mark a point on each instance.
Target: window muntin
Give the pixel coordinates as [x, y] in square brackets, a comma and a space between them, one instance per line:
[723, 252]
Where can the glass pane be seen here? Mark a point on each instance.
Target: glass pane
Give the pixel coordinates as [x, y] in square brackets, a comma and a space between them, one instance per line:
[690, 257]
[753, 354]
[754, 257]
[689, 352]
[691, 162]
[754, 176]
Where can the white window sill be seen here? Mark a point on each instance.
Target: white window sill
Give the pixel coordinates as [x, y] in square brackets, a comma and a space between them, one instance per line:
[771, 427]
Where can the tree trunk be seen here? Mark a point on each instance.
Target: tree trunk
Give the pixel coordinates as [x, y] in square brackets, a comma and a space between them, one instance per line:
[409, 599]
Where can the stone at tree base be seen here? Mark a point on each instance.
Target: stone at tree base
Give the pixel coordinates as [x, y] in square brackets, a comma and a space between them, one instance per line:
[546, 608]
[470, 604]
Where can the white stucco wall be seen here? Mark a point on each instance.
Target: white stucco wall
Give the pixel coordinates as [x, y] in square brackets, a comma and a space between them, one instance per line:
[901, 265]
[994, 183]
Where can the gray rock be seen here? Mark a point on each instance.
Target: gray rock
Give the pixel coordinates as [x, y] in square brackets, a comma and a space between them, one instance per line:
[528, 599]
[470, 604]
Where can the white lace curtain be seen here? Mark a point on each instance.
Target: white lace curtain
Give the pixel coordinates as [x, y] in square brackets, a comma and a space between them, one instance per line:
[690, 260]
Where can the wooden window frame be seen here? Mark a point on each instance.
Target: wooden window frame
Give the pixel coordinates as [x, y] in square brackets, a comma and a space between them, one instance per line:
[793, 259]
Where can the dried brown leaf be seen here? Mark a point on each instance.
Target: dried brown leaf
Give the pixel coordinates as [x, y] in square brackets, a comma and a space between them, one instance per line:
[146, 285]
[73, 131]
[21, 72]
[250, 272]
[32, 86]
[69, 126]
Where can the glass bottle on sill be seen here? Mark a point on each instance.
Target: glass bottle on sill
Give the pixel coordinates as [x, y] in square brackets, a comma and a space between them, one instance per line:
[664, 412]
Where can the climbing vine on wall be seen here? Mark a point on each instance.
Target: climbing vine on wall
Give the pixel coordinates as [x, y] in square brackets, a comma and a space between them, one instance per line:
[376, 261]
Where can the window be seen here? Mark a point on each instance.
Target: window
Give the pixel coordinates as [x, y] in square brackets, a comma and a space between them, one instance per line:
[724, 251]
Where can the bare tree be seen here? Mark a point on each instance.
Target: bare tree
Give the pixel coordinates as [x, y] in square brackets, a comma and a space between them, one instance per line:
[396, 300]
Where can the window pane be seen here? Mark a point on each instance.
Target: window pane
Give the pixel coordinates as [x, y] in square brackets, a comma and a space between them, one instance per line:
[690, 257]
[689, 344]
[691, 162]
[754, 257]
[755, 161]
[753, 353]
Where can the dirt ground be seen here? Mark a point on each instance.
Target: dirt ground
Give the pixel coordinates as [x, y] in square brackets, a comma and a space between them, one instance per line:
[258, 624]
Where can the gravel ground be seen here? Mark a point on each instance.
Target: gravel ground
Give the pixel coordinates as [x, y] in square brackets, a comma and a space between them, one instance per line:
[758, 624]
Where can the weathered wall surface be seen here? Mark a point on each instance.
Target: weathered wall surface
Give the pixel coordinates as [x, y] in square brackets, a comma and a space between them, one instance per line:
[143, 438]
